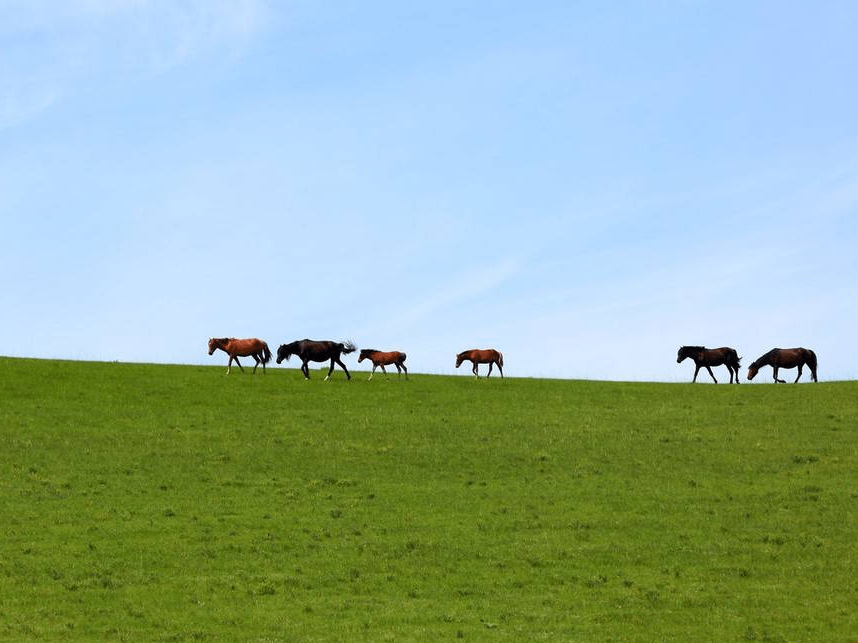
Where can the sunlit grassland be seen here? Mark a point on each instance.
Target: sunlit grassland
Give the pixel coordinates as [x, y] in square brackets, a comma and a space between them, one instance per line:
[173, 503]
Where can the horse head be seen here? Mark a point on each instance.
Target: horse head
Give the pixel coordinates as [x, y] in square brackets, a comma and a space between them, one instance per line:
[284, 352]
[688, 351]
[459, 359]
[213, 345]
[753, 369]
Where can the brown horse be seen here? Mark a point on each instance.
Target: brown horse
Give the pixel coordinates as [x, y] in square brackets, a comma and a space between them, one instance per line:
[706, 357]
[785, 358]
[236, 348]
[309, 350]
[378, 358]
[477, 356]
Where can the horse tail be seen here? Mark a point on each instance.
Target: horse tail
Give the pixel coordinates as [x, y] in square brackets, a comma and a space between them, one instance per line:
[734, 355]
[402, 357]
[811, 359]
[266, 353]
[348, 347]
[500, 358]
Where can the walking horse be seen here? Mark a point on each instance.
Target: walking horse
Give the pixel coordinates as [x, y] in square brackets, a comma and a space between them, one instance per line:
[309, 350]
[379, 358]
[477, 356]
[706, 357]
[236, 348]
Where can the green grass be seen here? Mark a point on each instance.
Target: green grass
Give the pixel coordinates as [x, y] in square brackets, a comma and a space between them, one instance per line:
[173, 503]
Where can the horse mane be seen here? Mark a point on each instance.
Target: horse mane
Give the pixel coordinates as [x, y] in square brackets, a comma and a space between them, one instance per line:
[692, 348]
[367, 351]
[764, 359]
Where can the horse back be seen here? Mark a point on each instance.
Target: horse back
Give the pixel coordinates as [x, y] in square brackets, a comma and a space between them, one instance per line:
[243, 347]
[489, 355]
[389, 357]
[395, 357]
[806, 356]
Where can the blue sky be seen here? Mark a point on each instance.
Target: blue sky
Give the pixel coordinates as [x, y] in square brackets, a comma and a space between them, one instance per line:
[584, 186]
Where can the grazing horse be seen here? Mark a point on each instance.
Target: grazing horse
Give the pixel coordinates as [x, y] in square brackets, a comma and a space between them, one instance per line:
[378, 358]
[785, 358]
[476, 356]
[236, 348]
[711, 357]
[309, 350]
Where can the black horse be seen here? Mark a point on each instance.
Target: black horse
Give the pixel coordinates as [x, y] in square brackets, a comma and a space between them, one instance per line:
[785, 358]
[711, 357]
[309, 350]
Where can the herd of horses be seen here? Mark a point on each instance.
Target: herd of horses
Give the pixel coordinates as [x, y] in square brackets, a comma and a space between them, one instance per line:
[777, 358]
[308, 350]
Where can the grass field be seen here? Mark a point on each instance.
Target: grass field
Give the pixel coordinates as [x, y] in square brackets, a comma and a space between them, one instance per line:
[173, 503]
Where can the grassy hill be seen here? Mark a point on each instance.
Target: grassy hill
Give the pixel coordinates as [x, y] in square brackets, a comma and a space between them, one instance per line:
[173, 503]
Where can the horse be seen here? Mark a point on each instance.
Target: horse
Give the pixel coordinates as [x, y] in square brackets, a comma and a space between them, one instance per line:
[711, 357]
[236, 348]
[785, 358]
[309, 350]
[379, 358]
[477, 356]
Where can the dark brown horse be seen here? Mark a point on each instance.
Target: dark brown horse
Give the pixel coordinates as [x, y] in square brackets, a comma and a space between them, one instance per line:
[309, 350]
[785, 358]
[236, 348]
[477, 356]
[706, 357]
[379, 358]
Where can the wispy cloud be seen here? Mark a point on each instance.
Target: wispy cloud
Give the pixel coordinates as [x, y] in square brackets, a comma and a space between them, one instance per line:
[467, 287]
[50, 48]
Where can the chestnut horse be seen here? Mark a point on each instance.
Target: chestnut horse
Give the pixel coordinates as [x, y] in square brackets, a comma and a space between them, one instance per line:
[477, 356]
[711, 357]
[378, 358]
[785, 358]
[236, 348]
[309, 350]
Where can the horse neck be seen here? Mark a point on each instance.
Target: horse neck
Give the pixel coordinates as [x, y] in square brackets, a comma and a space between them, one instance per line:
[765, 360]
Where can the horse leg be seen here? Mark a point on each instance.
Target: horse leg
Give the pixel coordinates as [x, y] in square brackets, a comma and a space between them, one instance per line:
[305, 370]
[712, 375]
[406, 370]
[476, 370]
[696, 370]
[490, 369]
[343, 366]
[799, 374]
[256, 365]
[237, 362]
[775, 375]
[371, 374]
[500, 368]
